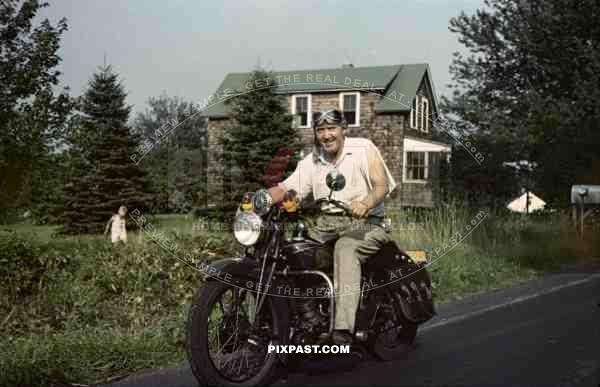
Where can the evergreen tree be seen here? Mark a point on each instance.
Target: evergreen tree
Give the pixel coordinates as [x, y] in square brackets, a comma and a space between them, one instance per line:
[262, 129]
[176, 165]
[105, 176]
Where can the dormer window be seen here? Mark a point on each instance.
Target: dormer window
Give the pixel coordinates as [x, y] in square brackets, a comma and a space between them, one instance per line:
[301, 109]
[419, 114]
[350, 107]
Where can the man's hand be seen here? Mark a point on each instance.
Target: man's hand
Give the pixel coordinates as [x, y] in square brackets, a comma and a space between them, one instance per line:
[359, 209]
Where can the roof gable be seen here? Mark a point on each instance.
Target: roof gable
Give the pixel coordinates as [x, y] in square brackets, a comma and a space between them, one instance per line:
[399, 96]
[399, 84]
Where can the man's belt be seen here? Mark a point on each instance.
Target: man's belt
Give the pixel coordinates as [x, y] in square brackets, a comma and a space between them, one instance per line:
[371, 218]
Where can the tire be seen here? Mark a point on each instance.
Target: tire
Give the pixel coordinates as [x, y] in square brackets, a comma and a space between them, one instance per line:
[197, 341]
[398, 345]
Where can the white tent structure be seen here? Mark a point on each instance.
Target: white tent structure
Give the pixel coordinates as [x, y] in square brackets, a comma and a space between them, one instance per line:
[520, 203]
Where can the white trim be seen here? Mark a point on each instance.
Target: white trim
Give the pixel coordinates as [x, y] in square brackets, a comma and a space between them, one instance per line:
[309, 109]
[413, 113]
[422, 145]
[419, 114]
[357, 94]
[424, 114]
[425, 172]
[435, 101]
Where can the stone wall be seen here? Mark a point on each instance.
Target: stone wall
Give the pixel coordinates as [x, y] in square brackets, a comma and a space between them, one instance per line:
[417, 195]
[387, 133]
[368, 100]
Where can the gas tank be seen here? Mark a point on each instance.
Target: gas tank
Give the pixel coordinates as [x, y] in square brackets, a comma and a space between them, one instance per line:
[308, 254]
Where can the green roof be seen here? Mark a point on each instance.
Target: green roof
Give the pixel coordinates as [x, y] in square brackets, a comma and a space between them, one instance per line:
[399, 83]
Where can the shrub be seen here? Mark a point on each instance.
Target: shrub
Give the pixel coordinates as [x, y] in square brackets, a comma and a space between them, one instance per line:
[22, 265]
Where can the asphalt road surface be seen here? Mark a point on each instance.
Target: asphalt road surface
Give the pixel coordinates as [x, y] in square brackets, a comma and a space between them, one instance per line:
[541, 333]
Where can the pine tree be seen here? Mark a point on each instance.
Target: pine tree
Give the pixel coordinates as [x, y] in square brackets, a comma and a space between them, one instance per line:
[262, 129]
[177, 164]
[105, 176]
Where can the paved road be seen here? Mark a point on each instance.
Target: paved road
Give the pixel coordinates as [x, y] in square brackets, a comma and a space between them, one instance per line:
[542, 333]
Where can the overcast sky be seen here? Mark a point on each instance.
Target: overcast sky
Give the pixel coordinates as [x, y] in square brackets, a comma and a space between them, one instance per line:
[185, 47]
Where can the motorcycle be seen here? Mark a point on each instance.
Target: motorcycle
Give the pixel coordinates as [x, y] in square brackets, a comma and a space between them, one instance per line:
[281, 292]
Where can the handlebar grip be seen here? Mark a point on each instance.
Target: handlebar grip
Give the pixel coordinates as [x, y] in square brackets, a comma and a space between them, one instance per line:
[343, 206]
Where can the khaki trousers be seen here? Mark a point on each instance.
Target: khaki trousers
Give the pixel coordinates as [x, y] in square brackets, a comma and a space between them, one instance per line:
[356, 241]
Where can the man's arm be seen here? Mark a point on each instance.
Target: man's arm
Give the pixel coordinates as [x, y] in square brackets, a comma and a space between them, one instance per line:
[277, 193]
[379, 183]
[299, 182]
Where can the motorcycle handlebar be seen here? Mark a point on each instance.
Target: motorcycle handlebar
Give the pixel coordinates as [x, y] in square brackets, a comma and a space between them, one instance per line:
[347, 209]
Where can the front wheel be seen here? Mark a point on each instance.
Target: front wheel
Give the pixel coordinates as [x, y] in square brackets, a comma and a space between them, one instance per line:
[227, 341]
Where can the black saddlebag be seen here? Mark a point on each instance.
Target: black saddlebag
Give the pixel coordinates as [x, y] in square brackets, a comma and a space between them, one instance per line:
[409, 281]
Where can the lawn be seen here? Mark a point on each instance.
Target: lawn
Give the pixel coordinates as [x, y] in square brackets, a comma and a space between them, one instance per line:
[79, 310]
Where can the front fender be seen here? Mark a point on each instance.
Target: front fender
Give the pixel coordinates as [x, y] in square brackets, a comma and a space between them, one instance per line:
[235, 270]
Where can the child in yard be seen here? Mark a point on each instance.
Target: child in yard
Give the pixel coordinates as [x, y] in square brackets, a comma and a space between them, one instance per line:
[118, 230]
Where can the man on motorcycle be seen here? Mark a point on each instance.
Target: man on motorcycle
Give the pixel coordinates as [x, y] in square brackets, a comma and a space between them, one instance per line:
[368, 181]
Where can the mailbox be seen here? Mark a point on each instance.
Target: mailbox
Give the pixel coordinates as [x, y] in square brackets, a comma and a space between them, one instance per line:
[589, 193]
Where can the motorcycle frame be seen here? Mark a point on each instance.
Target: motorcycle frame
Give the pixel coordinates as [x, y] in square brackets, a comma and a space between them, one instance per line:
[253, 268]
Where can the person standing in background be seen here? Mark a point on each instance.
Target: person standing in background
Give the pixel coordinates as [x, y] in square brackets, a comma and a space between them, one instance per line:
[118, 231]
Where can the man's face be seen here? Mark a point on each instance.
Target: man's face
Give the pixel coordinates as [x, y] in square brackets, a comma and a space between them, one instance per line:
[331, 138]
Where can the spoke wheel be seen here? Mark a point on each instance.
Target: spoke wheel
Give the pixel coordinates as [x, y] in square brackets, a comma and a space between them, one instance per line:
[227, 341]
[395, 334]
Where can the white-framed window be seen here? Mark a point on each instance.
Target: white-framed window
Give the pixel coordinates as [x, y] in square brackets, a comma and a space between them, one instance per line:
[301, 109]
[416, 167]
[350, 107]
[419, 114]
[419, 154]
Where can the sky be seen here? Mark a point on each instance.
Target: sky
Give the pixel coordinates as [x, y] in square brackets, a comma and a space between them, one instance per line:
[185, 47]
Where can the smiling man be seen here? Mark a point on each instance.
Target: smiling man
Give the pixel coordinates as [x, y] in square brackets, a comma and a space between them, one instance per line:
[368, 181]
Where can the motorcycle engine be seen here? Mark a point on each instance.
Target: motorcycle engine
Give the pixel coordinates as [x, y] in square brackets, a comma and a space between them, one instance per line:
[311, 318]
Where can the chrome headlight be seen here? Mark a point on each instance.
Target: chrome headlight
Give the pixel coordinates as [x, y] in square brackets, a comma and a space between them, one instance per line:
[262, 201]
[246, 227]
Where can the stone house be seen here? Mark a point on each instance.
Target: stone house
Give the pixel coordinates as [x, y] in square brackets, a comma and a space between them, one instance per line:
[394, 106]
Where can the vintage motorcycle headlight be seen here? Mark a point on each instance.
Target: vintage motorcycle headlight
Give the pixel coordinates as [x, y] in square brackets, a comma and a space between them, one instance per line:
[262, 201]
[247, 227]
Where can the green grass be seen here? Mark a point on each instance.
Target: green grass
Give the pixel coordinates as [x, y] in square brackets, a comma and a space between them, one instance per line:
[88, 355]
[82, 310]
[79, 310]
[38, 232]
[498, 249]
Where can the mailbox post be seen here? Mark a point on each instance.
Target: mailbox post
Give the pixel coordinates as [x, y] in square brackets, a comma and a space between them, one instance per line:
[582, 195]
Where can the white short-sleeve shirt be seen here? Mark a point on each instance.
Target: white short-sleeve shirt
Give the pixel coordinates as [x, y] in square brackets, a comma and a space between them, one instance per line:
[309, 176]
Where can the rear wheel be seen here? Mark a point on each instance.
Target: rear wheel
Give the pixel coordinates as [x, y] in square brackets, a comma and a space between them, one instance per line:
[395, 335]
[227, 342]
